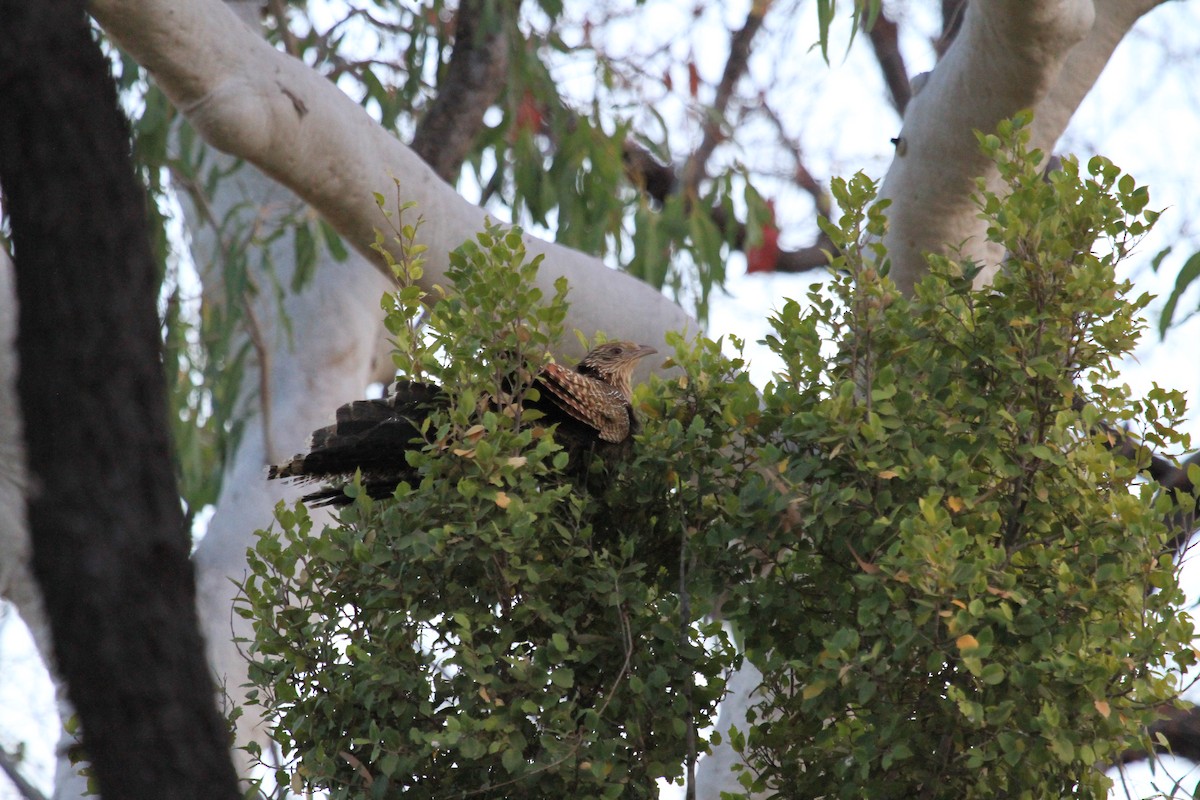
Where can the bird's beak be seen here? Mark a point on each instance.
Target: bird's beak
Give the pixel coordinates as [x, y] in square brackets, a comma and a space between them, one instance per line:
[643, 351]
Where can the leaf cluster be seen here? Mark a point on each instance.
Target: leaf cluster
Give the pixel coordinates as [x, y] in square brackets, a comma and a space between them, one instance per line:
[923, 533]
[498, 629]
[971, 596]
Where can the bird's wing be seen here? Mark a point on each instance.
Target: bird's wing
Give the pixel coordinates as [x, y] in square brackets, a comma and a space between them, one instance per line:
[371, 435]
[588, 400]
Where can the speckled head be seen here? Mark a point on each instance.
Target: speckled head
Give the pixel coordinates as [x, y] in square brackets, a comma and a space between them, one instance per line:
[613, 363]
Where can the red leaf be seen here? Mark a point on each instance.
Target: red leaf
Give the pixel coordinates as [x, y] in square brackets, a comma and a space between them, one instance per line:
[529, 115]
[763, 256]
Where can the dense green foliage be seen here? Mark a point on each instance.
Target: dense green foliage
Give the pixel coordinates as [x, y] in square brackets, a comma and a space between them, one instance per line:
[495, 629]
[968, 599]
[920, 533]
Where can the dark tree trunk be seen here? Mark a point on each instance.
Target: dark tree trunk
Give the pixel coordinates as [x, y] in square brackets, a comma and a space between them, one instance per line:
[109, 549]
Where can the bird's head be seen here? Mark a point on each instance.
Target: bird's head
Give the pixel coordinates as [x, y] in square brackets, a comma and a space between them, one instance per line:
[613, 363]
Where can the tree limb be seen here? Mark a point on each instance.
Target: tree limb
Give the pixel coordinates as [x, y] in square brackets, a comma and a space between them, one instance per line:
[1180, 727]
[473, 80]
[109, 550]
[257, 103]
[736, 65]
[8, 763]
[885, 41]
[1008, 56]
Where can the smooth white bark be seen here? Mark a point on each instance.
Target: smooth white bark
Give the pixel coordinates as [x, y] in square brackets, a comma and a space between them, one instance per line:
[257, 103]
[715, 773]
[1043, 55]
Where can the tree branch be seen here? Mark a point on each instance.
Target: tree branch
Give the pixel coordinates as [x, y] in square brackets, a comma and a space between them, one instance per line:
[952, 17]
[109, 550]
[1180, 727]
[885, 41]
[473, 80]
[252, 101]
[8, 763]
[1008, 56]
[695, 169]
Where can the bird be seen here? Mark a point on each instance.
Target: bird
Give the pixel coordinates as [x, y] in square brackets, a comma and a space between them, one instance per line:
[592, 404]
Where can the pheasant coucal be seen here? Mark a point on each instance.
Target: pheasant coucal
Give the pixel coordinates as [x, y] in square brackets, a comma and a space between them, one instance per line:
[592, 405]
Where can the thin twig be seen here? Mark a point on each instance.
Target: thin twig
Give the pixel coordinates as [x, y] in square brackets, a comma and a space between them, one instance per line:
[8, 762]
[735, 67]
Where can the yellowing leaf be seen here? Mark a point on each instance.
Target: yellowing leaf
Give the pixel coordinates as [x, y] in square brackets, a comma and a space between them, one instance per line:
[458, 451]
[502, 499]
[516, 462]
[865, 566]
[959, 603]
[888, 474]
[1103, 707]
[474, 432]
[956, 504]
[812, 690]
[966, 641]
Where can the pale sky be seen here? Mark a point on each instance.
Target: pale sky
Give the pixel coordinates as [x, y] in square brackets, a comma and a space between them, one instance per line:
[1144, 114]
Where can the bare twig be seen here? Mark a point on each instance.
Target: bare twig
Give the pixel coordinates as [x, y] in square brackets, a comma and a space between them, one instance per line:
[885, 41]
[278, 9]
[801, 176]
[8, 763]
[952, 17]
[695, 169]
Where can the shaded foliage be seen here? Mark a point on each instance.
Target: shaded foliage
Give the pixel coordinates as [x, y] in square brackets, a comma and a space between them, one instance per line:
[497, 629]
[973, 597]
[920, 533]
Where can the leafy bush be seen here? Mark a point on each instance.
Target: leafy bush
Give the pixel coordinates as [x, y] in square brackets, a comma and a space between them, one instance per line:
[496, 630]
[920, 533]
[966, 598]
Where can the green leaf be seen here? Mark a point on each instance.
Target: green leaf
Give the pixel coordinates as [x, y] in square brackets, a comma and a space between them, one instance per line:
[1187, 275]
[305, 253]
[563, 677]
